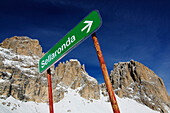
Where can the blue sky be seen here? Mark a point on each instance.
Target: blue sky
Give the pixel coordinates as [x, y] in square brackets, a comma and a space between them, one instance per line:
[131, 29]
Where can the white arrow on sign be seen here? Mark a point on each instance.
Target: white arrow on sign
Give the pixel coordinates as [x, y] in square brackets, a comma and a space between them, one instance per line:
[89, 24]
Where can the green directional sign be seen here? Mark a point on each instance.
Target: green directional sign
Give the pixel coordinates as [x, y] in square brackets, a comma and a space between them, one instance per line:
[84, 29]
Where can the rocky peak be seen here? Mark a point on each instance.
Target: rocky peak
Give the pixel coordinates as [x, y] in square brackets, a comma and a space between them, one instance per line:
[73, 75]
[134, 80]
[23, 45]
[19, 76]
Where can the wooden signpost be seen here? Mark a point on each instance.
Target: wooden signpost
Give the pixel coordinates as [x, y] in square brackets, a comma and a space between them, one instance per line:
[105, 75]
[50, 91]
[78, 34]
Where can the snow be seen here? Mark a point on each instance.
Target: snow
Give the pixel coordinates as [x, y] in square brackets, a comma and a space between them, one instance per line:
[89, 78]
[1, 80]
[166, 107]
[131, 106]
[74, 60]
[22, 62]
[8, 73]
[12, 105]
[73, 103]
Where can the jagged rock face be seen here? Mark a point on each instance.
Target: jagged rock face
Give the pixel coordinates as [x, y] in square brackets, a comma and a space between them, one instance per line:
[103, 89]
[134, 80]
[73, 75]
[19, 76]
[23, 46]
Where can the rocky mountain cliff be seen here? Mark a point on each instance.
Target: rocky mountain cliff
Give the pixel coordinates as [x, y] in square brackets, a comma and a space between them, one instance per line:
[23, 46]
[19, 76]
[72, 74]
[134, 80]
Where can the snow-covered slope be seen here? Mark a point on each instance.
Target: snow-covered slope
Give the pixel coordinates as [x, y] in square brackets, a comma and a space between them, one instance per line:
[22, 88]
[27, 64]
[73, 103]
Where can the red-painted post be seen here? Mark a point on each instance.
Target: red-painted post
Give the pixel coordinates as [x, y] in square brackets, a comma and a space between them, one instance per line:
[50, 91]
[106, 75]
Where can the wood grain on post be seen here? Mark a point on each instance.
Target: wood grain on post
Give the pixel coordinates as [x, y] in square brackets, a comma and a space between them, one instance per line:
[106, 75]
